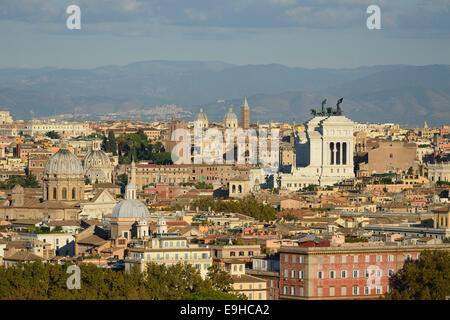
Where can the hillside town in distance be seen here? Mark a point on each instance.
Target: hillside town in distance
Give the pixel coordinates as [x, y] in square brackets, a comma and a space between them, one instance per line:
[346, 207]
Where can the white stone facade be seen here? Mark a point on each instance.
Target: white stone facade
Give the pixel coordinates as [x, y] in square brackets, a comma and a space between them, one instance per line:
[323, 154]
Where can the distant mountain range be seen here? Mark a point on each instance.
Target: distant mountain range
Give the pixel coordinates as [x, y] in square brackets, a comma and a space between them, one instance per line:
[392, 93]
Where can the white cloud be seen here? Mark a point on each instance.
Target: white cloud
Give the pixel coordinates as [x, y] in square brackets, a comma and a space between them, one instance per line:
[196, 15]
[130, 5]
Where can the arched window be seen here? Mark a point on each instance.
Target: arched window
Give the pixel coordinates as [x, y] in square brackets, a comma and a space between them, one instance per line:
[74, 193]
[233, 189]
[54, 193]
[240, 189]
[64, 193]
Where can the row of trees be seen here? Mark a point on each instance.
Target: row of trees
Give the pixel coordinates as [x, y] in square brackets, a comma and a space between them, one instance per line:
[248, 206]
[28, 181]
[135, 146]
[45, 281]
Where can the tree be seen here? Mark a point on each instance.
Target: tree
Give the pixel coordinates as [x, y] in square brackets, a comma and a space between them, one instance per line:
[427, 278]
[52, 134]
[26, 182]
[248, 206]
[211, 295]
[111, 144]
[220, 279]
[162, 158]
[123, 178]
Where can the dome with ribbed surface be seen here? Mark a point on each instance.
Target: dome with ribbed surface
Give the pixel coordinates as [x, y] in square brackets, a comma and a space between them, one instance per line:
[130, 208]
[201, 116]
[63, 162]
[230, 115]
[96, 174]
[96, 158]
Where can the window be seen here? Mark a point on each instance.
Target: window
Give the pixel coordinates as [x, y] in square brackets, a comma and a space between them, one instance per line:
[320, 291]
[292, 291]
[367, 258]
[293, 259]
[355, 290]
[390, 258]
[286, 273]
[378, 274]
[285, 290]
[355, 273]
[331, 259]
[300, 274]
[344, 274]
[379, 290]
[343, 291]
[332, 291]
[260, 296]
[301, 259]
[300, 291]
[344, 259]
[320, 275]
[355, 258]
[320, 260]
[293, 274]
[332, 274]
[232, 254]
[408, 258]
[366, 290]
[379, 258]
[390, 272]
[367, 273]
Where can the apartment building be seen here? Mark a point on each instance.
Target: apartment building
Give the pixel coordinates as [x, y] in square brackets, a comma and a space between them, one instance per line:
[348, 272]
[168, 250]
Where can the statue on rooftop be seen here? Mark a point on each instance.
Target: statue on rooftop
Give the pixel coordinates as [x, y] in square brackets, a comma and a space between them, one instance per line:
[324, 102]
[339, 110]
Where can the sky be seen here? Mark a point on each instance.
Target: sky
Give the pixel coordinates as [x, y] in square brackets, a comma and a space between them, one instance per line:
[301, 33]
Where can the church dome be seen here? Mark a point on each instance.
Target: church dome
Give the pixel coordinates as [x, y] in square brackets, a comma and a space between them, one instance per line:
[96, 158]
[63, 162]
[96, 174]
[130, 208]
[230, 115]
[201, 116]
